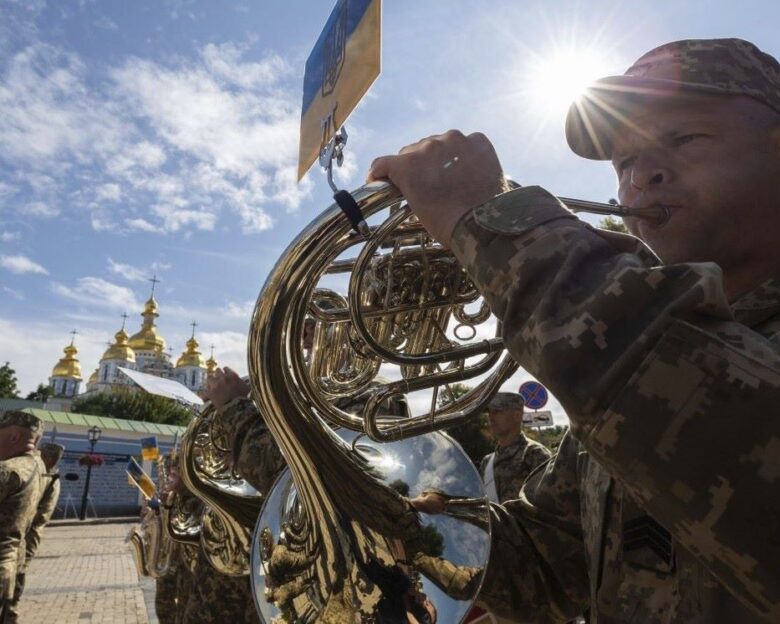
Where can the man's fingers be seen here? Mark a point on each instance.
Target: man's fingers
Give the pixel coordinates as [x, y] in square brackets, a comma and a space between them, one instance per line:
[380, 168]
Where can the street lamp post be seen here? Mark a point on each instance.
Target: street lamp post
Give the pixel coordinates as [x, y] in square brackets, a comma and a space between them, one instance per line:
[93, 435]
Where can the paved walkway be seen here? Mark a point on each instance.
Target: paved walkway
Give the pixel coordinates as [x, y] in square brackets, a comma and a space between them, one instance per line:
[85, 574]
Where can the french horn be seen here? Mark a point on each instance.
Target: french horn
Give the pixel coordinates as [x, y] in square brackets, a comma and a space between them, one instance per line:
[337, 538]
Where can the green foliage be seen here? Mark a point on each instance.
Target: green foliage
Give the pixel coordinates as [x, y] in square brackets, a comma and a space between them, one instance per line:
[613, 225]
[8, 388]
[549, 436]
[474, 435]
[41, 393]
[129, 405]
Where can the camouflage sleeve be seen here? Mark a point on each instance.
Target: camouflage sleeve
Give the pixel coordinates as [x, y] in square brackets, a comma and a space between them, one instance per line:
[256, 454]
[42, 516]
[9, 482]
[536, 455]
[663, 387]
[537, 570]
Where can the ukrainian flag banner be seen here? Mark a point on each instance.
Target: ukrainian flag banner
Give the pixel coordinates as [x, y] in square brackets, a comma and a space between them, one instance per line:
[149, 449]
[342, 66]
[140, 479]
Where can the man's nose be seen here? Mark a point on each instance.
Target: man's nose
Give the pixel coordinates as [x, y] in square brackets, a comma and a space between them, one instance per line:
[648, 171]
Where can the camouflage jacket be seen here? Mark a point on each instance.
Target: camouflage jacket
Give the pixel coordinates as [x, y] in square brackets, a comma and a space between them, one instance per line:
[513, 464]
[20, 488]
[673, 395]
[256, 454]
[217, 599]
[50, 494]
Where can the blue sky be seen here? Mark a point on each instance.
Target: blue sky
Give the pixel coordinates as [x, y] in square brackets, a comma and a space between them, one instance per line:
[161, 136]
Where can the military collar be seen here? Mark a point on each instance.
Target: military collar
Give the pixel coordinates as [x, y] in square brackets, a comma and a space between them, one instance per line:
[759, 304]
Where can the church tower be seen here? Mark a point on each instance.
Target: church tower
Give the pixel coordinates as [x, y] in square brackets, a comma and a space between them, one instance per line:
[66, 376]
[191, 367]
[120, 353]
[147, 344]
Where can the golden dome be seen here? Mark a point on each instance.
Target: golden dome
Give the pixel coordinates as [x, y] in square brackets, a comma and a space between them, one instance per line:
[211, 364]
[68, 366]
[120, 350]
[191, 357]
[93, 377]
[148, 339]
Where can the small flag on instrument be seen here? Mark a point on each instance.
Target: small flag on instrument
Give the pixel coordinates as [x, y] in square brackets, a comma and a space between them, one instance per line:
[140, 479]
[342, 66]
[149, 449]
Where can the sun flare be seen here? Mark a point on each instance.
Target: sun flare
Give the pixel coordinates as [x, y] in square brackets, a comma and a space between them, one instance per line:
[555, 81]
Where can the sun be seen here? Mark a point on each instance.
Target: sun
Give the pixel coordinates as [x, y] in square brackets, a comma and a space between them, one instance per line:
[556, 80]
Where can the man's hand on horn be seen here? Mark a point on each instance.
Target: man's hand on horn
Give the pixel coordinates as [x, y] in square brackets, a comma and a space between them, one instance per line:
[443, 177]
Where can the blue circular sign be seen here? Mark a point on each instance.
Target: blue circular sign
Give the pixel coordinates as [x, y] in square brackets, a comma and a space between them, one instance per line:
[534, 394]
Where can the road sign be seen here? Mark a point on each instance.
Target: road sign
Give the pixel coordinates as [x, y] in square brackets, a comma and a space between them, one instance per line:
[342, 66]
[538, 419]
[534, 394]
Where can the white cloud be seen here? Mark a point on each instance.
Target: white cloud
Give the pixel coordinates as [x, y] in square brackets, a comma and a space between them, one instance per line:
[16, 294]
[34, 357]
[240, 310]
[229, 348]
[106, 23]
[174, 218]
[40, 209]
[7, 237]
[95, 291]
[108, 192]
[225, 63]
[21, 265]
[128, 271]
[141, 224]
[171, 145]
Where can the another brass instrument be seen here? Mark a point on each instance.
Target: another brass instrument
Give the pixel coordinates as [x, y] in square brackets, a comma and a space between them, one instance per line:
[150, 542]
[230, 504]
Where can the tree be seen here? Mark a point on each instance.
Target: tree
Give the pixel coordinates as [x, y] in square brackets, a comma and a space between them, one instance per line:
[42, 393]
[8, 388]
[613, 225]
[549, 436]
[473, 435]
[130, 405]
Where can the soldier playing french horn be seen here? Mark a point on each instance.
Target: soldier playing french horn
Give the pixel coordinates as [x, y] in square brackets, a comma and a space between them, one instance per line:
[663, 503]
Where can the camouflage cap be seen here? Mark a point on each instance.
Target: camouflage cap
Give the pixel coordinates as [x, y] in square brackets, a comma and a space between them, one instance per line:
[21, 419]
[714, 66]
[51, 453]
[506, 400]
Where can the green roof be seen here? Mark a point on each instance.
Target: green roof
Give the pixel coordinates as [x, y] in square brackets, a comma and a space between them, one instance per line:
[17, 404]
[104, 422]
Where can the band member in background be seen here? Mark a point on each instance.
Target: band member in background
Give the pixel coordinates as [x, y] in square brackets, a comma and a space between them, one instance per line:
[21, 481]
[51, 454]
[505, 470]
[662, 505]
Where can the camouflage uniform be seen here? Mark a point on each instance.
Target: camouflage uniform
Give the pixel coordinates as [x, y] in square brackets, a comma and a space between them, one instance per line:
[512, 465]
[50, 494]
[20, 489]
[216, 599]
[666, 508]
[256, 454]
[173, 590]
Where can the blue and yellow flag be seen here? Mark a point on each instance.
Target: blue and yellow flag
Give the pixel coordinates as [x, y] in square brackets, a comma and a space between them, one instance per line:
[140, 479]
[340, 69]
[149, 449]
